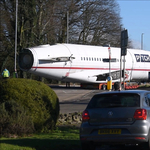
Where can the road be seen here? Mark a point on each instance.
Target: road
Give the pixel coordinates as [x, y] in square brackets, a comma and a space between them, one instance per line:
[73, 99]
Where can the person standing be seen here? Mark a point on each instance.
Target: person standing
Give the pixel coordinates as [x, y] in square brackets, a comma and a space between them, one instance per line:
[5, 73]
[117, 86]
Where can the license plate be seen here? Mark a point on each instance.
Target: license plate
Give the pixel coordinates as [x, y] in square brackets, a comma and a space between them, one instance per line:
[109, 131]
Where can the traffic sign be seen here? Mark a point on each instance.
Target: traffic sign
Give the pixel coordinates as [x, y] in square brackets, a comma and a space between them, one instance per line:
[124, 42]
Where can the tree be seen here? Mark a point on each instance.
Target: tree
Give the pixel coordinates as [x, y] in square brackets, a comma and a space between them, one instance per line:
[99, 22]
[7, 28]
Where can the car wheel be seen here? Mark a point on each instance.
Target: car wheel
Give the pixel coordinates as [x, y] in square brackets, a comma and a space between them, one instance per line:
[146, 145]
[87, 146]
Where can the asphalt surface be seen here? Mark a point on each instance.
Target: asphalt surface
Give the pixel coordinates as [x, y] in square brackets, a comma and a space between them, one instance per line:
[73, 99]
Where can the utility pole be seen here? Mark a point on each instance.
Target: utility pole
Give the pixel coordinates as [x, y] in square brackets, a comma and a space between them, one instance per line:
[109, 78]
[16, 38]
[142, 40]
[109, 51]
[67, 26]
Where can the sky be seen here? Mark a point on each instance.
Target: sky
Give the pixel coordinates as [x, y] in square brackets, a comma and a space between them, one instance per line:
[135, 16]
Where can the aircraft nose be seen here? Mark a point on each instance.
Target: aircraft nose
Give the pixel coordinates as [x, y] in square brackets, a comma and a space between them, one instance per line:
[26, 59]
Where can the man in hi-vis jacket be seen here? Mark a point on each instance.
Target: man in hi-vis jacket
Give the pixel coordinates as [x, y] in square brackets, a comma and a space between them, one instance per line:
[5, 73]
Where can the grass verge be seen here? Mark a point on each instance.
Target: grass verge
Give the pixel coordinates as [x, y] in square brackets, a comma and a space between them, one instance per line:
[63, 138]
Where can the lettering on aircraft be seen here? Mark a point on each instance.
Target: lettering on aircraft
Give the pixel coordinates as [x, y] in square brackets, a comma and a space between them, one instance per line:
[142, 57]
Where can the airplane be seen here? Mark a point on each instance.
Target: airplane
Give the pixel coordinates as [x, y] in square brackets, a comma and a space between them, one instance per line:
[78, 63]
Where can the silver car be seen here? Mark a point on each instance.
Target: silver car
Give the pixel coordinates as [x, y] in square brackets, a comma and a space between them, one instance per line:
[118, 117]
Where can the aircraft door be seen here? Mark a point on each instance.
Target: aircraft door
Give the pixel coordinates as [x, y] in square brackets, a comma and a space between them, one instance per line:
[68, 66]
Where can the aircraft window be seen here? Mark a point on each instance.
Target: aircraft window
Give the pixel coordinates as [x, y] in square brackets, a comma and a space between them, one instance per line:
[107, 60]
[89, 59]
[86, 58]
[81, 58]
[94, 59]
[113, 60]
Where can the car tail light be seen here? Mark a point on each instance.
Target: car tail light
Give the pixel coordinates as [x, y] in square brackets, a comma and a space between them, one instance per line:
[140, 114]
[85, 116]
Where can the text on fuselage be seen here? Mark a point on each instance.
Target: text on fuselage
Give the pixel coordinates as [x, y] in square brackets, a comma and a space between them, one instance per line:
[142, 57]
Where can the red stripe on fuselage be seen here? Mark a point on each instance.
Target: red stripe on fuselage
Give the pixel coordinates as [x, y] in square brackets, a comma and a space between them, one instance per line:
[82, 68]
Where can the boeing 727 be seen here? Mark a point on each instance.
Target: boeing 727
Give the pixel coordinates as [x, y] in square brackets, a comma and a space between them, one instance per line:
[84, 63]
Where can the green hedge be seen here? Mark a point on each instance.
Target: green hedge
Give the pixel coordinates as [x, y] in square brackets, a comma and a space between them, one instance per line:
[27, 106]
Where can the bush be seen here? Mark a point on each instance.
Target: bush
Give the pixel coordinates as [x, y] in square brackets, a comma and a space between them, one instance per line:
[14, 119]
[27, 106]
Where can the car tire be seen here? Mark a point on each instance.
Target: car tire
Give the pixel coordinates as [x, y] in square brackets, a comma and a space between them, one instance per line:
[146, 145]
[87, 146]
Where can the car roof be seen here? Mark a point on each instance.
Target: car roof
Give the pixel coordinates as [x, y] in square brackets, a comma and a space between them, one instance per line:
[125, 91]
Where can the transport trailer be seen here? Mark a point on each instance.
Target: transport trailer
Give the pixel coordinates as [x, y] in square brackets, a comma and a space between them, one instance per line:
[103, 86]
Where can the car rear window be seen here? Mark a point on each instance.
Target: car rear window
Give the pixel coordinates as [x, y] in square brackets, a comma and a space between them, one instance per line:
[115, 100]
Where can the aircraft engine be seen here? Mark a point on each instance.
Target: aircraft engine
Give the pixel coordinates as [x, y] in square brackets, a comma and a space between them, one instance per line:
[26, 59]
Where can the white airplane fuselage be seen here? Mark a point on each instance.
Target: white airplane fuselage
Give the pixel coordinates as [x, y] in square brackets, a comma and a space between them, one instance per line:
[84, 63]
